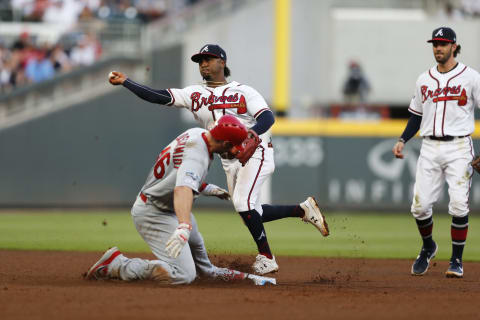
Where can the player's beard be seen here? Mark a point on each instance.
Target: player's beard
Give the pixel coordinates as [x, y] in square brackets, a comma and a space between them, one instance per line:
[443, 59]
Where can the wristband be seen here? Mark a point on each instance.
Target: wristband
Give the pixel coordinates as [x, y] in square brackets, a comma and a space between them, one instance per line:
[401, 140]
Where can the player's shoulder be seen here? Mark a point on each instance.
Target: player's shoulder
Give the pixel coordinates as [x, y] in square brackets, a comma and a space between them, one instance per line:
[194, 134]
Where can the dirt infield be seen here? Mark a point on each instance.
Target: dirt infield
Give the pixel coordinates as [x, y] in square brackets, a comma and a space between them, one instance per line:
[49, 285]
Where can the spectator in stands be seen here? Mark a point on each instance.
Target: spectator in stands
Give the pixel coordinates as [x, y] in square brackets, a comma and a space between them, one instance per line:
[65, 12]
[356, 87]
[40, 68]
[355, 91]
[86, 52]
[149, 10]
[61, 60]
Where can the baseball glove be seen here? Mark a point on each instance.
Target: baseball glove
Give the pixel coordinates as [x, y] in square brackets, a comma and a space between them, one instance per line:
[249, 146]
[476, 163]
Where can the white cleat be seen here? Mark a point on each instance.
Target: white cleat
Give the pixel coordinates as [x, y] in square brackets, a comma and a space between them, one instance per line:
[263, 265]
[100, 269]
[261, 281]
[314, 216]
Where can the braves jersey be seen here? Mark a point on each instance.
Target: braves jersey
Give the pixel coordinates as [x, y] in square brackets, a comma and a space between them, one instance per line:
[209, 104]
[184, 162]
[446, 101]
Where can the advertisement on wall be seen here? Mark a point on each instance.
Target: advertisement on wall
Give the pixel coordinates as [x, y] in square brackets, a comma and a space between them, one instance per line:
[350, 172]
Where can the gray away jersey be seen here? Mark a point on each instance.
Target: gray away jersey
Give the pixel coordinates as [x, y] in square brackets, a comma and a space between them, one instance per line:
[184, 162]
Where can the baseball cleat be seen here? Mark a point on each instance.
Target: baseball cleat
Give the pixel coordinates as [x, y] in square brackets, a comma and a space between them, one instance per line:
[455, 270]
[261, 281]
[100, 269]
[263, 265]
[314, 216]
[421, 264]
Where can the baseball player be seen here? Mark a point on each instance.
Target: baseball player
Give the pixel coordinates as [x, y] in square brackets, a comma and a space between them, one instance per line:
[208, 102]
[443, 109]
[162, 211]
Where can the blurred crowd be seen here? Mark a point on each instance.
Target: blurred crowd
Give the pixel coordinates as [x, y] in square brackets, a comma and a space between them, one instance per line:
[459, 9]
[25, 61]
[71, 11]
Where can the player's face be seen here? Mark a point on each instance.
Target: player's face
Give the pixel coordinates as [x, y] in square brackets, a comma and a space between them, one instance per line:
[211, 68]
[442, 51]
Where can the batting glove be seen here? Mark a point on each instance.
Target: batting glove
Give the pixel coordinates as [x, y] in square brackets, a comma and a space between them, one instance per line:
[215, 191]
[178, 239]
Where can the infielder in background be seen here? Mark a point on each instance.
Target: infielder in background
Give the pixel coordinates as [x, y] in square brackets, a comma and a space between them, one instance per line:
[162, 211]
[208, 102]
[443, 109]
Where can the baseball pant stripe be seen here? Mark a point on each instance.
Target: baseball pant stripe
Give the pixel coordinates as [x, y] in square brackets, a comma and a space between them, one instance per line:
[256, 177]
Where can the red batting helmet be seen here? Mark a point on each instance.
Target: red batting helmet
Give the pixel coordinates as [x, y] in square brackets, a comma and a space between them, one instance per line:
[228, 128]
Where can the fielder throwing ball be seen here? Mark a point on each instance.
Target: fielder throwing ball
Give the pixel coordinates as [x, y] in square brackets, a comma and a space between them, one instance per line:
[162, 211]
[443, 109]
[208, 102]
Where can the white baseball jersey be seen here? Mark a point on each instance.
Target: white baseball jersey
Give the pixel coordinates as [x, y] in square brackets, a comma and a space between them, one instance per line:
[184, 162]
[446, 101]
[246, 104]
[209, 104]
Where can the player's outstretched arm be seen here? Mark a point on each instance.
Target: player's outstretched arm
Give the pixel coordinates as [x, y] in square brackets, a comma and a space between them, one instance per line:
[146, 93]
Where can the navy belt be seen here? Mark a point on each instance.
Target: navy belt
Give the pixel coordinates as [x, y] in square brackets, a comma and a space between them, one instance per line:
[446, 138]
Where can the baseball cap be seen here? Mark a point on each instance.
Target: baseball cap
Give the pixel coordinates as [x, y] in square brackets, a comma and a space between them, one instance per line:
[212, 50]
[444, 34]
[229, 128]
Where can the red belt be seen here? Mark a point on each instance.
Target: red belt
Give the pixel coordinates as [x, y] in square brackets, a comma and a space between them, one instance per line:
[143, 197]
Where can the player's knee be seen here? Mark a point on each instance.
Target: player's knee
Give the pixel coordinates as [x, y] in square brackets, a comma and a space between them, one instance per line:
[189, 275]
[240, 204]
[458, 209]
[421, 209]
[185, 274]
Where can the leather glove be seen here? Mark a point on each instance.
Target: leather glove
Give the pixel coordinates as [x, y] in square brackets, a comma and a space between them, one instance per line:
[249, 146]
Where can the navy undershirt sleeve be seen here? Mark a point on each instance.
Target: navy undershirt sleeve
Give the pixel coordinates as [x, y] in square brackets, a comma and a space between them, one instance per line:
[264, 121]
[148, 94]
[412, 127]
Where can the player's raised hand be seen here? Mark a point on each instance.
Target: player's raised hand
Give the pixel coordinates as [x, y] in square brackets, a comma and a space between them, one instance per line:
[397, 149]
[116, 78]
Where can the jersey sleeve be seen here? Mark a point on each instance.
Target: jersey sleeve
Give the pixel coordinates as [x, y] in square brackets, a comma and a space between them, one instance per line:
[181, 97]
[256, 104]
[416, 106]
[194, 167]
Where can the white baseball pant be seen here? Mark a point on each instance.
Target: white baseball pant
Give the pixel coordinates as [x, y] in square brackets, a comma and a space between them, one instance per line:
[245, 183]
[441, 161]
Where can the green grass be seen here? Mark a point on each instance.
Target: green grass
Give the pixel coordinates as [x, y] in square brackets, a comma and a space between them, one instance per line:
[357, 235]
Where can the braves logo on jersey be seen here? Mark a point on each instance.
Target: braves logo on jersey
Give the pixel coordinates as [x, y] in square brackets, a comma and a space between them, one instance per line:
[458, 94]
[213, 102]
